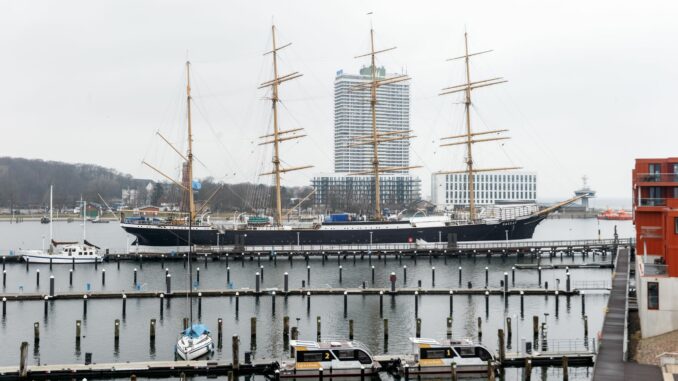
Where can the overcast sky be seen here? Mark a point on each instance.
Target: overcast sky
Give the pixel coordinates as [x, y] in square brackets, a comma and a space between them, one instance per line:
[592, 84]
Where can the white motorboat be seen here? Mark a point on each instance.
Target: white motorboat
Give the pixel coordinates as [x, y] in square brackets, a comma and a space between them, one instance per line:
[69, 253]
[340, 358]
[434, 358]
[195, 342]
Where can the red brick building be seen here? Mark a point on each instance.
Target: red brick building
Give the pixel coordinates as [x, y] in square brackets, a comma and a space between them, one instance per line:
[655, 215]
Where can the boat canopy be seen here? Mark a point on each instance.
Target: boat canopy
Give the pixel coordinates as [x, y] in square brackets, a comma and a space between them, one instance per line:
[196, 330]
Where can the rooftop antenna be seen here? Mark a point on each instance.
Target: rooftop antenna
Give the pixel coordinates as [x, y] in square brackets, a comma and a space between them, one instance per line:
[469, 137]
[279, 136]
[376, 137]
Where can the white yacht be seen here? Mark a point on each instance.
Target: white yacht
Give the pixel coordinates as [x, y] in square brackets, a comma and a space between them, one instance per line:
[341, 358]
[434, 358]
[195, 342]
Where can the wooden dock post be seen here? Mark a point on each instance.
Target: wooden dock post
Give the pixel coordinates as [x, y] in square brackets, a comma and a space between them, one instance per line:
[416, 303]
[433, 276]
[372, 274]
[567, 281]
[583, 304]
[385, 330]
[308, 275]
[418, 328]
[451, 302]
[505, 284]
[84, 306]
[522, 303]
[480, 329]
[308, 301]
[185, 323]
[539, 276]
[103, 277]
[404, 274]
[51, 285]
[557, 302]
[509, 329]
[460, 273]
[70, 277]
[162, 306]
[28, 260]
[381, 303]
[487, 276]
[392, 279]
[257, 285]
[286, 285]
[151, 331]
[4, 306]
[124, 305]
[449, 327]
[237, 302]
[502, 345]
[340, 274]
[345, 303]
[528, 370]
[228, 275]
[220, 332]
[235, 362]
[350, 329]
[487, 303]
[566, 375]
[490, 371]
[273, 302]
[4, 277]
[36, 332]
[513, 275]
[37, 278]
[46, 304]
[23, 355]
[197, 275]
[586, 327]
[199, 305]
[117, 259]
[134, 280]
[535, 328]
[286, 330]
[453, 371]
[253, 332]
[116, 330]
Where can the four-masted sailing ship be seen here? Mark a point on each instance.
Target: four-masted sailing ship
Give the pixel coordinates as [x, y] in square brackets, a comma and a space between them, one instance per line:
[474, 226]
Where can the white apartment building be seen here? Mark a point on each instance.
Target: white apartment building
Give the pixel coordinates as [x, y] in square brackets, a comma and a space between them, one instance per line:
[450, 190]
[353, 120]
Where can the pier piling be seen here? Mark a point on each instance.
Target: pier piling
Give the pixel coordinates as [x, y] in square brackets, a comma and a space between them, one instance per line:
[23, 355]
[381, 303]
[308, 275]
[372, 274]
[405, 274]
[134, 282]
[220, 332]
[460, 273]
[168, 284]
[162, 306]
[4, 307]
[433, 276]
[78, 328]
[199, 305]
[317, 328]
[36, 332]
[124, 305]
[340, 274]
[103, 277]
[84, 306]
[286, 330]
[4, 277]
[235, 362]
[502, 345]
[184, 323]
[449, 327]
[385, 330]
[37, 278]
[70, 277]
[350, 329]
[197, 275]
[253, 332]
[509, 335]
[487, 277]
[480, 329]
[345, 303]
[46, 301]
[151, 331]
[586, 327]
[51, 285]
[566, 375]
[308, 301]
[257, 285]
[418, 327]
[583, 304]
[116, 331]
[286, 286]
[528, 369]
[535, 328]
[416, 303]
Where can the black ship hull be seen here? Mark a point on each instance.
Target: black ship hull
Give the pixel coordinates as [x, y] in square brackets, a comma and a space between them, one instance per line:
[167, 235]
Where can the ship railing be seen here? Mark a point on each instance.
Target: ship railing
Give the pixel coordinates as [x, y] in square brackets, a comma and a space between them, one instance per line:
[657, 177]
[423, 248]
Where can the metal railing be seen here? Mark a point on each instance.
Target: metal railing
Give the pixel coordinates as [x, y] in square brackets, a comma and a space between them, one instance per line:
[591, 285]
[653, 269]
[566, 346]
[652, 201]
[657, 177]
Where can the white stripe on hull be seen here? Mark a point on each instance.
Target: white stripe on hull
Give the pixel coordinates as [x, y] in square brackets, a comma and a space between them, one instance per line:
[57, 259]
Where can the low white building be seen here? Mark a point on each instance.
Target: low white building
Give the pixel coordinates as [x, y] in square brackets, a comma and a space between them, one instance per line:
[450, 190]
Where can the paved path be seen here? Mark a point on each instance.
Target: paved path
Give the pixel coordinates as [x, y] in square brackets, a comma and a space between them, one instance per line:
[610, 362]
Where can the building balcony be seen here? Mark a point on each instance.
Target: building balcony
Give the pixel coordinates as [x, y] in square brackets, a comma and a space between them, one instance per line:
[652, 202]
[655, 178]
[654, 269]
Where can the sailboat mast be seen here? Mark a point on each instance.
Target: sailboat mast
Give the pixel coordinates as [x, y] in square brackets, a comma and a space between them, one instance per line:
[84, 221]
[51, 215]
[276, 140]
[375, 146]
[190, 275]
[469, 145]
[189, 163]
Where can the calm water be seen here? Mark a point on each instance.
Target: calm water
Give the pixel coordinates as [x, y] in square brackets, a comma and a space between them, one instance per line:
[57, 328]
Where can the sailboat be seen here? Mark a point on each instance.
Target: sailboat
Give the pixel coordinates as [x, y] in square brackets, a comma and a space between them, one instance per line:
[194, 341]
[504, 223]
[69, 252]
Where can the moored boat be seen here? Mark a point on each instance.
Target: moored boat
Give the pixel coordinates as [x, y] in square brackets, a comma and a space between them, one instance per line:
[336, 358]
[194, 342]
[435, 358]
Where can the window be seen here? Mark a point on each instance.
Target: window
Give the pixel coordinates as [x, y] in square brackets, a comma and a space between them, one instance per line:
[345, 355]
[652, 295]
[363, 357]
[655, 170]
[314, 356]
[436, 353]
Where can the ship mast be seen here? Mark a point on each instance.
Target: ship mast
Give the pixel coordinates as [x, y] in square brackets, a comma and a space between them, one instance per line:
[279, 136]
[189, 161]
[376, 138]
[468, 139]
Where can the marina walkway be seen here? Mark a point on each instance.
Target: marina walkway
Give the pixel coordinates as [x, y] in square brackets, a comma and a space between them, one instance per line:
[611, 361]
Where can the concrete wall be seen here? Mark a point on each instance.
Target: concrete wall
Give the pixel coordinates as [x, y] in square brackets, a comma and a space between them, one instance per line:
[665, 319]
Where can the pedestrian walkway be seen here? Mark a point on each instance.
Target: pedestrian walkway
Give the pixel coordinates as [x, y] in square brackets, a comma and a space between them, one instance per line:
[611, 361]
